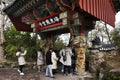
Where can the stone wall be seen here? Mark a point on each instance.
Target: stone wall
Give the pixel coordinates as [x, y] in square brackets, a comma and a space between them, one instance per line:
[102, 59]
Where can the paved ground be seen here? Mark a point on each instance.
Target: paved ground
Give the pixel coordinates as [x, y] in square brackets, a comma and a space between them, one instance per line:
[31, 74]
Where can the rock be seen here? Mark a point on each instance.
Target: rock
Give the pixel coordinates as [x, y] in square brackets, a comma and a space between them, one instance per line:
[1, 66]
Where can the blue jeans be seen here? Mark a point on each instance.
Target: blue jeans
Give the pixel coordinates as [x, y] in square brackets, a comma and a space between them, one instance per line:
[62, 67]
[49, 69]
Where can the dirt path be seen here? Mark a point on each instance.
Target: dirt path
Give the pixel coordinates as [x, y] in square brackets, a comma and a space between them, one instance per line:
[31, 74]
[12, 74]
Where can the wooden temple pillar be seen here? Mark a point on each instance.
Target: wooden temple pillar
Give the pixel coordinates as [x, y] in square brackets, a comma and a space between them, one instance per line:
[50, 39]
[49, 43]
[79, 42]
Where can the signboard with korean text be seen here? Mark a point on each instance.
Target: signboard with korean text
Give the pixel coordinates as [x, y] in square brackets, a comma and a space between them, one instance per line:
[48, 22]
[56, 20]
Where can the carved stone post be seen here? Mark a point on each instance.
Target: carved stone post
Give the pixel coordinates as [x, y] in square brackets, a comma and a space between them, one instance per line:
[80, 42]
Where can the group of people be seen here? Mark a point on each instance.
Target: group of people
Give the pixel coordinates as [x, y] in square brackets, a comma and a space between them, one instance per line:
[67, 58]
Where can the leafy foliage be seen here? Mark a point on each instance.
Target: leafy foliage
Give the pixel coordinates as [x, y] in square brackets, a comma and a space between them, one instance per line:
[112, 76]
[58, 44]
[116, 37]
[16, 39]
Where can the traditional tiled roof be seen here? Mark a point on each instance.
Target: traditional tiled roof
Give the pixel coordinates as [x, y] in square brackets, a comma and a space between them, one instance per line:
[107, 47]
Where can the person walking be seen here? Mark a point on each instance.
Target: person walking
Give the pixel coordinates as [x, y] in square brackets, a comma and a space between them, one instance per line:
[40, 61]
[54, 62]
[21, 60]
[49, 64]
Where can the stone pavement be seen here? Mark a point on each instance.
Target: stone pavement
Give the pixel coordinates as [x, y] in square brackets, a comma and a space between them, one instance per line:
[31, 74]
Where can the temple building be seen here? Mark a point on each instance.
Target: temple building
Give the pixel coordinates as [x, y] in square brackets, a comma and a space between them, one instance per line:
[52, 17]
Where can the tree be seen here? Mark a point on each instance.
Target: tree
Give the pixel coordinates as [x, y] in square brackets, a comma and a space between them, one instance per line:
[2, 40]
[101, 30]
[16, 39]
[59, 44]
[115, 34]
[108, 34]
[3, 20]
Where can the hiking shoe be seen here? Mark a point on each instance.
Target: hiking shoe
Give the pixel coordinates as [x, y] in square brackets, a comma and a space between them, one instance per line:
[62, 70]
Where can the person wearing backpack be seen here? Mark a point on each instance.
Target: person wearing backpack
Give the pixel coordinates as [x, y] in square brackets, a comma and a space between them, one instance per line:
[67, 61]
[61, 53]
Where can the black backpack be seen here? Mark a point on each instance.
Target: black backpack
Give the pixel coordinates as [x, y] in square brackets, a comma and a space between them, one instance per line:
[64, 57]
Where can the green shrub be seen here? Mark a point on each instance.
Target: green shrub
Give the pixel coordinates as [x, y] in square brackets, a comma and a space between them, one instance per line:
[112, 76]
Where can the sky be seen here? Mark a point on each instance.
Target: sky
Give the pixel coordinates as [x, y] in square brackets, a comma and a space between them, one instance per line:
[117, 17]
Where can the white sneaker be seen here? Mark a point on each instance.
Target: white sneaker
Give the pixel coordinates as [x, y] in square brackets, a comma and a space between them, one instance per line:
[62, 70]
[21, 73]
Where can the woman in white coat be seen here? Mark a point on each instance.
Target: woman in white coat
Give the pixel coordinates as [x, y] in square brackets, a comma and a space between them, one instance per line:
[67, 63]
[54, 62]
[40, 60]
[21, 60]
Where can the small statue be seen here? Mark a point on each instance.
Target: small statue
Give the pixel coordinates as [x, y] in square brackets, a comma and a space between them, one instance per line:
[96, 41]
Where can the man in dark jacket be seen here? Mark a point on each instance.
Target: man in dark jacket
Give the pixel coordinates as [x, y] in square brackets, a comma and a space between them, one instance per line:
[74, 56]
[49, 64]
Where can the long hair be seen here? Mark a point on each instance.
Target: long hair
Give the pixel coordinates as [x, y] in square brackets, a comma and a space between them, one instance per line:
[19, 50]
[40, 50]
